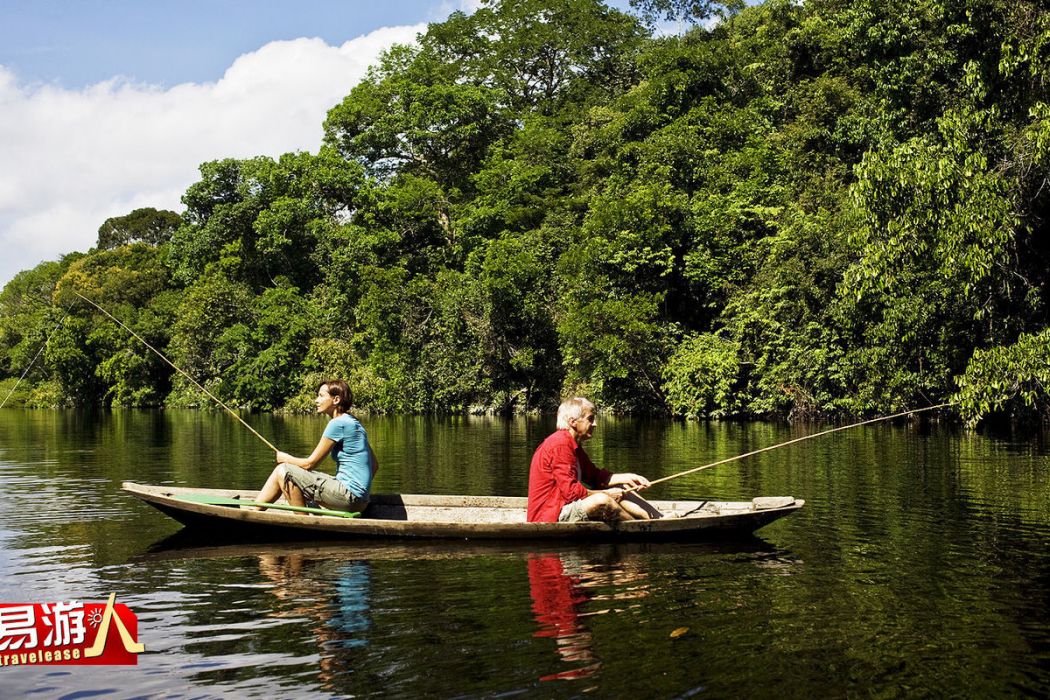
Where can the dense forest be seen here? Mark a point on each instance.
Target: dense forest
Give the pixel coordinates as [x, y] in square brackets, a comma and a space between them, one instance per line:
[829, 208]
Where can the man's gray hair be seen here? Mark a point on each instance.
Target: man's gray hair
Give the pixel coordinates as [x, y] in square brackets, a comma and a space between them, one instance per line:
[572, 409]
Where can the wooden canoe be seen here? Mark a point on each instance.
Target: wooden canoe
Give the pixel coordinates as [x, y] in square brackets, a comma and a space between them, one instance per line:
[460, 517]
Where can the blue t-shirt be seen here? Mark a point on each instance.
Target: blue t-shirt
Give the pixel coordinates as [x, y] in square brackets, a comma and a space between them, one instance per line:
[351, 453]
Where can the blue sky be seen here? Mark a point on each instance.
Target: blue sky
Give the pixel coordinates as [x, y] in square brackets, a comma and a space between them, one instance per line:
[75, 43]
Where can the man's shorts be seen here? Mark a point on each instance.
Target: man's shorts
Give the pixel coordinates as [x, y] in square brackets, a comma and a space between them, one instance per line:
[324, 490]
[573, 512]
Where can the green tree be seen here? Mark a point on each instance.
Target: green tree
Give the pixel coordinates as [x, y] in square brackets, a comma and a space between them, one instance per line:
[268, 348]
[800, 209]
[1012, 379]
[684, 10]
[92, 358]
[701, 378]
[146, 225]
[521, 357]
[414, 115]
[255, 218]
[543, 56]
[200, 341]
[28, 317]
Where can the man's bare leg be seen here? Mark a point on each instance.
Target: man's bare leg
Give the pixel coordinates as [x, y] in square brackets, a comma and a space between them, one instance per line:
[603, 506]
[630, 506]
[638, 507]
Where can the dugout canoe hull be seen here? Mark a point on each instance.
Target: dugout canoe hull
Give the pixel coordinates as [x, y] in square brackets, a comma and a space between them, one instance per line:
[459, 517]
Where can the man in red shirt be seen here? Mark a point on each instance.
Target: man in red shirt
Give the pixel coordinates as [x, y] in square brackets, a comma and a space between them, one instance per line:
[564, 484]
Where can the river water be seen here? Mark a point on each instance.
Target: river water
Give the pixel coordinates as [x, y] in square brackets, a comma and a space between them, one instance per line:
[919, 566]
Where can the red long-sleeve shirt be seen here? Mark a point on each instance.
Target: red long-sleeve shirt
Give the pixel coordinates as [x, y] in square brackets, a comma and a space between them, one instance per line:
[554, 480]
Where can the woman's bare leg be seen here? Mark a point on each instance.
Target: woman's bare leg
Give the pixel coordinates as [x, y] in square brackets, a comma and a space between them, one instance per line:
[292, 493]
[272, 488]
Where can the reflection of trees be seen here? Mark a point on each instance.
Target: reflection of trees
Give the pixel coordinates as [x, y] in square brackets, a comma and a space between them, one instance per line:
[560, 584]
[338, 620]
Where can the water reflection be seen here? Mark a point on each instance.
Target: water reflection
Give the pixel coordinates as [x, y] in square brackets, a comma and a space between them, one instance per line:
[560, 586]
[352, 619]
[555, 599]
[920, 564]
[337, 605]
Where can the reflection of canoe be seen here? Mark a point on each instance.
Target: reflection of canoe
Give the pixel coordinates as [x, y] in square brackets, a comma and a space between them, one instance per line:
[481, 517]
[189, 543]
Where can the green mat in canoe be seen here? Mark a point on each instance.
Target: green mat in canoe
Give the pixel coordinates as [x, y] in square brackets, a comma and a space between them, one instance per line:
[227, 501]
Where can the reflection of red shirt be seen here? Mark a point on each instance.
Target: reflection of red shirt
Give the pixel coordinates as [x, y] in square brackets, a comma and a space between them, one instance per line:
[553, 479]
[554, 596]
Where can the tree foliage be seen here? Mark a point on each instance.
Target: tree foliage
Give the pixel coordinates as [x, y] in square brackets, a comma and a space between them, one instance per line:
[802, 209]
[146, 225]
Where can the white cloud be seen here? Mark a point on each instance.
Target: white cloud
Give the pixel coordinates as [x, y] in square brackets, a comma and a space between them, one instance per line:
[70, 159]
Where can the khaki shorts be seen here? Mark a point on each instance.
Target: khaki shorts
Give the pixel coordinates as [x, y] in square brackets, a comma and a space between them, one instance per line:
[324, 490]
[573, 512]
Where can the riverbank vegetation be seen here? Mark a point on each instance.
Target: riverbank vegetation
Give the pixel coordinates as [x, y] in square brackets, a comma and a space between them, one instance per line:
[819, 208]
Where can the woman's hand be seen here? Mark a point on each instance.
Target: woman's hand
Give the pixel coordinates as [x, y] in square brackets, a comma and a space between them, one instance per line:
[283, 457]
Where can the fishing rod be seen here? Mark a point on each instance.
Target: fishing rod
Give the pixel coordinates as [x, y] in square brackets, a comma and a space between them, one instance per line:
[789, 442]
[176, 368]
[33, 361]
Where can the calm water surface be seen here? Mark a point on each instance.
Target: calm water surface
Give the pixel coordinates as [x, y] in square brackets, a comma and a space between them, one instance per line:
[919, 567]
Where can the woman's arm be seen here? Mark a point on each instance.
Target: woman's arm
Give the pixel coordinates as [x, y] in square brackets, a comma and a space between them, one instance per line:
[324, 446]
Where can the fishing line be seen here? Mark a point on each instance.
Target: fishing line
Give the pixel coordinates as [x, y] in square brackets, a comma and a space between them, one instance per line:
[33, 361]
[194, 381]
[790, 442]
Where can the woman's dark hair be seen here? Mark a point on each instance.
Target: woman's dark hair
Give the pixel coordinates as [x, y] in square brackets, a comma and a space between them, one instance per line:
[339, 389]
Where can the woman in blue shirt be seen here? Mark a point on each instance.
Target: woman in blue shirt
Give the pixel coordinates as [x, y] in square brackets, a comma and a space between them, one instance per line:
[345, 440]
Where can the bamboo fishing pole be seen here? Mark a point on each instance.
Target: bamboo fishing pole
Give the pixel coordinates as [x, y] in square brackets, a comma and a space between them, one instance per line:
[789, 442]
[194, 381]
